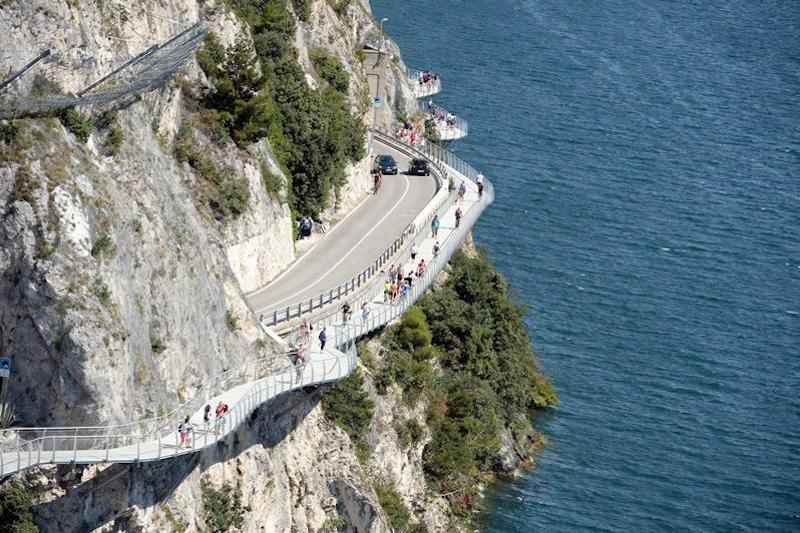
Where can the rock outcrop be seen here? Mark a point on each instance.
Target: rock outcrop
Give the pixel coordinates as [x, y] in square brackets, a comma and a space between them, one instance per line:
[119, 293]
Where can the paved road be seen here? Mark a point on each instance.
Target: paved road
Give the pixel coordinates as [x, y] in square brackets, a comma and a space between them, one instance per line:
[353, 243]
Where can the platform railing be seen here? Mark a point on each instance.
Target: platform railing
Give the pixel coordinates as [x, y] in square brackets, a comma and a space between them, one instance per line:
[421, 89]
[157, 438]
[459, 128]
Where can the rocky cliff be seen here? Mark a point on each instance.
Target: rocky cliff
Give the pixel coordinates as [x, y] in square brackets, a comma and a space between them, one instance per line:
[121, 290]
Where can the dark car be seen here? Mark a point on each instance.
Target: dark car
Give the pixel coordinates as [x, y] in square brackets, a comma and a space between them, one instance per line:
[387, 163]
[419, 167]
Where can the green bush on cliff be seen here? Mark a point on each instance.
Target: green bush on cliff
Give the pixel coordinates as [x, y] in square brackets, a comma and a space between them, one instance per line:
[348, 406]
[330, 69]
[261, 92]
[481, 331]
[489, 378]
[77, 123]
[15, 510]
[222, 507]
[218, 188]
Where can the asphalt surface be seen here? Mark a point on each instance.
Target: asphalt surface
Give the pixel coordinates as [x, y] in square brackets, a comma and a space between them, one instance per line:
[353, 243]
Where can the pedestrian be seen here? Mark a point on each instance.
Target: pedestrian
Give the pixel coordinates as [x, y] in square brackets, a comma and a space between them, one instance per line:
[459, 214]
[436, 249]
[462, 190]
[183, 429]
[386, 289]
[323, 338]
[220, 411]
[421, 268]
[413, 251]
[300, 361]
[480, 189]
[207, 418]
[346, 312]
[365, 312]
[435, 223]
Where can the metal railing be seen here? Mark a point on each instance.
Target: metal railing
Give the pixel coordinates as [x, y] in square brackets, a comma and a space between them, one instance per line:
[250, 385]
[360, 282]
[422, 89]
[459, 128]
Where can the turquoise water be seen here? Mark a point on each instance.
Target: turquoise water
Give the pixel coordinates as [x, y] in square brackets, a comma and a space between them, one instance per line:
[646, 156]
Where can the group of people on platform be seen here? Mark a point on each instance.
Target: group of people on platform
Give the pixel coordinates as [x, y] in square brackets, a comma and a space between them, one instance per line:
[426, 77]
[185, 428]
[412, 133]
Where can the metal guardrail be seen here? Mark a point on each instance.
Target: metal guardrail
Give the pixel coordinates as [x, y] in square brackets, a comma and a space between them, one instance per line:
[156, 438]
[421, 89]
[356, 285]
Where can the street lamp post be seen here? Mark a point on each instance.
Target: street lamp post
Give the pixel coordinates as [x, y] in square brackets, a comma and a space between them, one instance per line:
[376, 99]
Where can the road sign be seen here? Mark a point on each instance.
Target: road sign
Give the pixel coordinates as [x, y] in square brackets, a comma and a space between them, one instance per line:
[5, 367]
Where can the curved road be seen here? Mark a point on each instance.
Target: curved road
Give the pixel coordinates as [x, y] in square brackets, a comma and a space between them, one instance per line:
[353, 243]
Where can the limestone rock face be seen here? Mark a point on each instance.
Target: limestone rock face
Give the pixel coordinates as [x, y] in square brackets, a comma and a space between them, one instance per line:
[120, 292]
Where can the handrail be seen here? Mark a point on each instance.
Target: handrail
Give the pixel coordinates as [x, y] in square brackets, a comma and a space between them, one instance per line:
[421, 89]
[446, 132]
[354, 285]
[148, 441]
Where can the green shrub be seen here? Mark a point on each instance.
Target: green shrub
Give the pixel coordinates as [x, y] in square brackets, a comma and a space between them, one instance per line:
[340, 7]
[8, 132]
[392, 504]
[101, 245]
[481, 331]
[8, 416]
[15, 509]
[303, 9]
[222, 507]
[311, 132]
[348, 406]
[232, 320]
[361, 55]
[409, 432]
[330, 69]
[223, 193]
[114, 140]
[77, 123]
[100, 290]
[413, 332]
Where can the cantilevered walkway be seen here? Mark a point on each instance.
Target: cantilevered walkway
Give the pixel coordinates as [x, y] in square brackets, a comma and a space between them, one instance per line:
[246, 387]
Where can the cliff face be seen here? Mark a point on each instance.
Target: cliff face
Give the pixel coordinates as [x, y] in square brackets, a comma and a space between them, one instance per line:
[120, 291]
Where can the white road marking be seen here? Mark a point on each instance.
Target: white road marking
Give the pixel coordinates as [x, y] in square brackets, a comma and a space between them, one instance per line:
[308, 252]
[353, 249]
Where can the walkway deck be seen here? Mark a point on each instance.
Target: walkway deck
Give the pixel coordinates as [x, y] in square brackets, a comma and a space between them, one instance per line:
[244, 389]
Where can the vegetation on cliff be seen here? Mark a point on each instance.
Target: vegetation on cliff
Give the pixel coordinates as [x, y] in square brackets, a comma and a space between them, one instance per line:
[259, 91]
[15, 509]
[465, 353]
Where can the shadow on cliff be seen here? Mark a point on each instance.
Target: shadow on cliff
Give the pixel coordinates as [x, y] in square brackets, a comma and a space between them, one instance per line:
[110, 496]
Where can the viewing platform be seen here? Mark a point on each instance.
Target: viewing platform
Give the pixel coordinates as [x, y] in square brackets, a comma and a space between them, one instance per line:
[450, 127]
[425, 82]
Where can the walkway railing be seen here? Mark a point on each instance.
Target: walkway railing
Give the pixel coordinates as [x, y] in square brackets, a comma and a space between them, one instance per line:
[360, 283]
[423, 89]
[457, 128]
[244, 388]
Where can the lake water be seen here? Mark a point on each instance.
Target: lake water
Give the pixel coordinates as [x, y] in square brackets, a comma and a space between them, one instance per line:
[646, 156]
